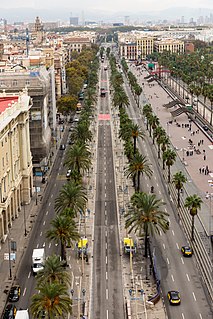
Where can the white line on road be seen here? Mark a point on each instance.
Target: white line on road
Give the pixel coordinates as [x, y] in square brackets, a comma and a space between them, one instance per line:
[155, 177]
[107, 294]
[164, 246]
[159, 192]
[200, 316]
[157, 184]
[29, 275]
[37, 245]
[182, 260]
[107, 313]
[105, 204]
[105, 212]
[105, 233]
[55, 185]
[106, 275]
[106, 246]
[41, 233]
[106, 260]
[24, 291]
[187, 276]
[47, 212]
[168, 217]
[160, 233]
[44, 223]
[49, 203]
[177, 246]
[173, 232]
[49, 245]
[51, 195]
[166, 211]
[105, 195]
[167, 260]
[182, 315]
[194, 296]
[172, 278]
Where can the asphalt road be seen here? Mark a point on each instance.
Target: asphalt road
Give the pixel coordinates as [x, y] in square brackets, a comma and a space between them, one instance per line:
[175, 271]
[38, 239]
[107, 290]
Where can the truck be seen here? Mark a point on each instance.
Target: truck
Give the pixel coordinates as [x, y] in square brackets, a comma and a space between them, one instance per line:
[38, 259]
[22, 314]
[129, 245]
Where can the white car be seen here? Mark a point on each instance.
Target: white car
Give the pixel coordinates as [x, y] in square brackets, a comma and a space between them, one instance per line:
[68, 173]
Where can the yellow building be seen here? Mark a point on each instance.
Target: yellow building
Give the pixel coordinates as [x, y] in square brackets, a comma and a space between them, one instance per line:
[16, 181]
[145, 46]
[171, 45]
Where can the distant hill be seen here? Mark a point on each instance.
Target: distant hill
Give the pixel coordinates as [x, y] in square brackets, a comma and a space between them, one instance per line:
[53, 14]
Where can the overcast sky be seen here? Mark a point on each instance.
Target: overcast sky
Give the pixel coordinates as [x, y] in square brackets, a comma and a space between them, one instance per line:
[108, 5]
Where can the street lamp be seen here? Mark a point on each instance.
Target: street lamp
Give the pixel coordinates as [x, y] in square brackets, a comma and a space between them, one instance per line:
[9, 253]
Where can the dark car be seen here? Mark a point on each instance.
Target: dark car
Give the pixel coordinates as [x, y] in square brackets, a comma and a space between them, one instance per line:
[174, 297]
[9, 312]
[14, 293]
[205, 127]
[186, 251]
[62, 147]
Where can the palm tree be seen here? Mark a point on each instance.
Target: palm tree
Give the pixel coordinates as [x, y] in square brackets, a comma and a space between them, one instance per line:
[193, 203]
[137, 166]
[169, 157]
[146, 216]
[136, 132]
[81, 132]
[153, 122]
[52, 299]
[179, 179]
[147, 110]
[120, 98]
[129, 150]
[63, 231]
[138, 91]
[53, 271]
[164, 141]
[71, 196]
[78, 158]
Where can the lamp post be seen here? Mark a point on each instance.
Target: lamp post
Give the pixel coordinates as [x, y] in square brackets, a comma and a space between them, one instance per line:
[9, 253]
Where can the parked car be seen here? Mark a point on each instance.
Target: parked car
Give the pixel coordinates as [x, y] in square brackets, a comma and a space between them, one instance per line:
[68, 174]
[9, 311]
[14, 293]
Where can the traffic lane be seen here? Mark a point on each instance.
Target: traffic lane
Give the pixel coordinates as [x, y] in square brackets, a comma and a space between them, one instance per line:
[115, 287]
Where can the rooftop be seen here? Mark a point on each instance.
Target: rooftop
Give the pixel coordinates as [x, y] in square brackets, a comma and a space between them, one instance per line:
[6, 102]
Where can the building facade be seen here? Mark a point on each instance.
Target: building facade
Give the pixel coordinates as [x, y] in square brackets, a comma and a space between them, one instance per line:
[16, 181]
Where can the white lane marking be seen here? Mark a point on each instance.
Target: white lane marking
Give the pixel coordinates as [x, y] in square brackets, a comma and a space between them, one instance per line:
[200, 316]
[47, 212]
[177, 246]
[106, 246]
[41, 233]
[49, 245]
[105, 204]
[182, 315]
[167, 260]
[55, 185]
[160, 233]
[159, 192]
[155, 177]
[56, 244]
[44, 223]
[107, 313]
[173, 232]
[194, 296]
[105, 195]
[105, 212]
[106, 275]
[44, 244]
[49, 203]
[51, 195]
[157, 184]
[106, 260]
[187, 276]
[164, 246]
[29, 275]
[105, 233]
[24, 291]
[182, 260]
[168, 217]
[37, 245]
[166, 211]
[107, 294]
[172, 278]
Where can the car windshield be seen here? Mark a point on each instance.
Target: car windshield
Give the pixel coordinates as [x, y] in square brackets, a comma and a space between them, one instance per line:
[175, 295]
[187, 249]
[37, 265]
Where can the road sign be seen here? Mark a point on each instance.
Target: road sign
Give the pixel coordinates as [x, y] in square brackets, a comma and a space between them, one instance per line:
[12, 256]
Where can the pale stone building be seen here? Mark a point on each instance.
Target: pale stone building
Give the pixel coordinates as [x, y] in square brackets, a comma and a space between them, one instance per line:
[16, 180]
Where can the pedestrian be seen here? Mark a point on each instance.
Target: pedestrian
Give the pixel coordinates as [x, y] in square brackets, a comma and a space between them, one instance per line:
[204, 152]
[204, 157]
[202, 142]
[198, 144]
[200, 170]
[203, 169]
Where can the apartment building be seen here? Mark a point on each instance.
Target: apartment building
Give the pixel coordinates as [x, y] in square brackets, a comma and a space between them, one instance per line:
[144, 46]
[16, 181]
[171, 45]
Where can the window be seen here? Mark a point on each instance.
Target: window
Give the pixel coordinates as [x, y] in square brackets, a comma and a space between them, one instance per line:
[27, 82]
[14, 83]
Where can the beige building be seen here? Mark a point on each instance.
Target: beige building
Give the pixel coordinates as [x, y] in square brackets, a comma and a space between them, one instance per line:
[16, 181]
[171, 45]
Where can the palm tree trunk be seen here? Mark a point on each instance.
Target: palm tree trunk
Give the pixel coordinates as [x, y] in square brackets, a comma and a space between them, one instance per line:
[193, 224]
[159, 151]
[134, 181]
[146, 245]
[169, 174]
[178, 197]
[138, 186]
[134, 144]
[63, 251]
